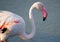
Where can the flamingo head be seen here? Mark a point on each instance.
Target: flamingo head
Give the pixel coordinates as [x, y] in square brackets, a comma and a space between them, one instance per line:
[41, 7]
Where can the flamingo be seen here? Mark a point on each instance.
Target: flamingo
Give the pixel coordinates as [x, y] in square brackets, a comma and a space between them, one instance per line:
[12, 24]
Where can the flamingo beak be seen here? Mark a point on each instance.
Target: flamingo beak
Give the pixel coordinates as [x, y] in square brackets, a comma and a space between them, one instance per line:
[44, 12]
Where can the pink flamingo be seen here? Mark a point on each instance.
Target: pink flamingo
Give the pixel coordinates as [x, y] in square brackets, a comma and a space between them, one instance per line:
[12, 24]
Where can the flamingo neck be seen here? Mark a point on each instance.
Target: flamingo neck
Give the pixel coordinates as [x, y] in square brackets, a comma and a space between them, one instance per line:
[36, 5]
[30, 11]
[29, 36]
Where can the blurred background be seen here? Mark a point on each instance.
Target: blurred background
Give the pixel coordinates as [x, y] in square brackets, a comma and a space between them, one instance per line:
[46, 31]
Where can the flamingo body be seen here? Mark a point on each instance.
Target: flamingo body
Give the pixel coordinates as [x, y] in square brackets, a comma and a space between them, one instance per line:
[12, 22]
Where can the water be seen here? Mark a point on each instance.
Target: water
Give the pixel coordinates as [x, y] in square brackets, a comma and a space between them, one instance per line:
[48, 31]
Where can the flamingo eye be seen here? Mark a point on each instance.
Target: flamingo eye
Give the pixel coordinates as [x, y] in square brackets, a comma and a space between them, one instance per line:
[4, 30]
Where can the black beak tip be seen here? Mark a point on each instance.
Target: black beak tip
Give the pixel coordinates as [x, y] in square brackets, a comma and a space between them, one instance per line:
[44, 18]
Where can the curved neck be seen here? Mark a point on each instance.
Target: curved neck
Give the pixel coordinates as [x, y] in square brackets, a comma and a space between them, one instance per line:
[29, 36]
[30, 11]
[36, 5]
